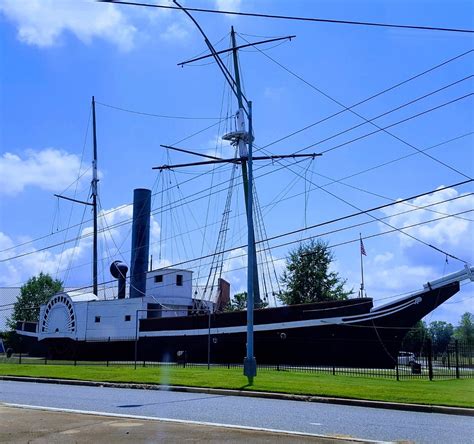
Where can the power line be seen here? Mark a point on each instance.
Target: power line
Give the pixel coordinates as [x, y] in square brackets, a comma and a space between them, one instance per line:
[360, 212]
[403, 82]
[366, 120]
[121, 223]
[457, 99]
[445, 62]
[368, 213]
[337, 230]
[170, 267]
[297, 18]
[411, 102]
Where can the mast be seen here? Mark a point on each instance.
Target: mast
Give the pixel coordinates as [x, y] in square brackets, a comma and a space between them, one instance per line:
[250, 363]
[244, 153]
[94, 200]
[244, 141]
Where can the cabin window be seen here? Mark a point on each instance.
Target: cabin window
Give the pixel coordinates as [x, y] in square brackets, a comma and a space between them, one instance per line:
[128, 318]
[158, 278]
[97, 319]
[179, 280]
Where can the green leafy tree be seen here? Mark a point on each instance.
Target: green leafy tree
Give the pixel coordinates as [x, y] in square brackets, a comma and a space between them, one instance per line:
[307, 277]
[465, 330]
[35, 292]
[441, 333]
[239, 302]
[416, 337]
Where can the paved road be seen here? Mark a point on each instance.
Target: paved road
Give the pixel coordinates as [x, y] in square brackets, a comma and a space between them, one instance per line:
[324, 419]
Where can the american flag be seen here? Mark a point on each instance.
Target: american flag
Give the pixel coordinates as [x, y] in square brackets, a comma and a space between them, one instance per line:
[362, 249]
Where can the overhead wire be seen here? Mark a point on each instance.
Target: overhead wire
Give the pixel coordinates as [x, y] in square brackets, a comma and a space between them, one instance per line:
[295, 18]
[335, 220]
[161, 116]
[385, 223]
[334, 245]
[351, 110]
[433, 68]
[373, 96]
[338, 244]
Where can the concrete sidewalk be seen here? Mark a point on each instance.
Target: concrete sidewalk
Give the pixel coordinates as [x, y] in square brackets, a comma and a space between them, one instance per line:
[257, 394]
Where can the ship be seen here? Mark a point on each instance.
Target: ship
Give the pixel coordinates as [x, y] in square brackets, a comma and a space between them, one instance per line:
[161, 319]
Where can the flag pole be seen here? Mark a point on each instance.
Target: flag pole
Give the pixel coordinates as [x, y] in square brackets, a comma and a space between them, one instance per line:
[361, 266]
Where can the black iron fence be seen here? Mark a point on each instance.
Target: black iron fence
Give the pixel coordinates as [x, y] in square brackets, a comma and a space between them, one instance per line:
[456, 360]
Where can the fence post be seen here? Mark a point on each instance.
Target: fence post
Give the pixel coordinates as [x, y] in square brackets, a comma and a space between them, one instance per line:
[396, 367]
[456, 349]
[430, 359]
[333, 370]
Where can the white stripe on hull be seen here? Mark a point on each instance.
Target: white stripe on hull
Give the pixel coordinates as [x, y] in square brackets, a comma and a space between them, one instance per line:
[341, 320]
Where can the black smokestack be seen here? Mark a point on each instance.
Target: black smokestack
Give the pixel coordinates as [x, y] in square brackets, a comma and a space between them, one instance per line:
[140, 241]
[119, 271]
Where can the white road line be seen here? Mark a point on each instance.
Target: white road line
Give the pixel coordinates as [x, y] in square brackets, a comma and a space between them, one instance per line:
[185, 421]
[315, 423]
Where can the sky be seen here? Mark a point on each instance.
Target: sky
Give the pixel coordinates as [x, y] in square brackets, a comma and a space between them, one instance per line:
[57, 54]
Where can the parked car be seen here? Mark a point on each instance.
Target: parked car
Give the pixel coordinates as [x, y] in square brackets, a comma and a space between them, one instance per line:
[406, 358]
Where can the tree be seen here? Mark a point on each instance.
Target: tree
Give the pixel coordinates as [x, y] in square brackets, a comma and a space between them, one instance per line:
[239, 302]
[441, 333]
[465, 330]
[35, 292]
[307, 277]
[416, 337]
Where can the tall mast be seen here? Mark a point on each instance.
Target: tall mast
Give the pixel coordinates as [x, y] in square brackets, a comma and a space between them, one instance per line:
[94, 200]
[244, 154]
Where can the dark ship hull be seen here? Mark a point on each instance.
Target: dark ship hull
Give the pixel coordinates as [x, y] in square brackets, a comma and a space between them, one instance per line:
[344, 333]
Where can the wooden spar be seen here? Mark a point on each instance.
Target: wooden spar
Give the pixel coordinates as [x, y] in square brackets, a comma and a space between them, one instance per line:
[182, 150]
[235, 160]
[288, 37]
[73, 200]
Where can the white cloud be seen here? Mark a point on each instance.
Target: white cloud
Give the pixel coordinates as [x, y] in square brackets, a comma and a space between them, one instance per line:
[399, 278]
[42, 22]
[228, 5]
[383, 258]
[177, 31]
[49, 169]
[454, 233]
[73, 263]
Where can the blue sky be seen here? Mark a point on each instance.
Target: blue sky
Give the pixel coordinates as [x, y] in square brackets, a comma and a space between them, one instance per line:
[56, 54]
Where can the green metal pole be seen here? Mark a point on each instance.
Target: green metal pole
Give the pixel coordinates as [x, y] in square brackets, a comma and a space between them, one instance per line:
[250, 364]
[245, 173]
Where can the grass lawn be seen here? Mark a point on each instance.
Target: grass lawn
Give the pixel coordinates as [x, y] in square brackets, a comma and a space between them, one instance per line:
[454, 392]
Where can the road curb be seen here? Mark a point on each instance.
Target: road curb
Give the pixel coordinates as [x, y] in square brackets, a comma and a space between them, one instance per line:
[254, 394]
